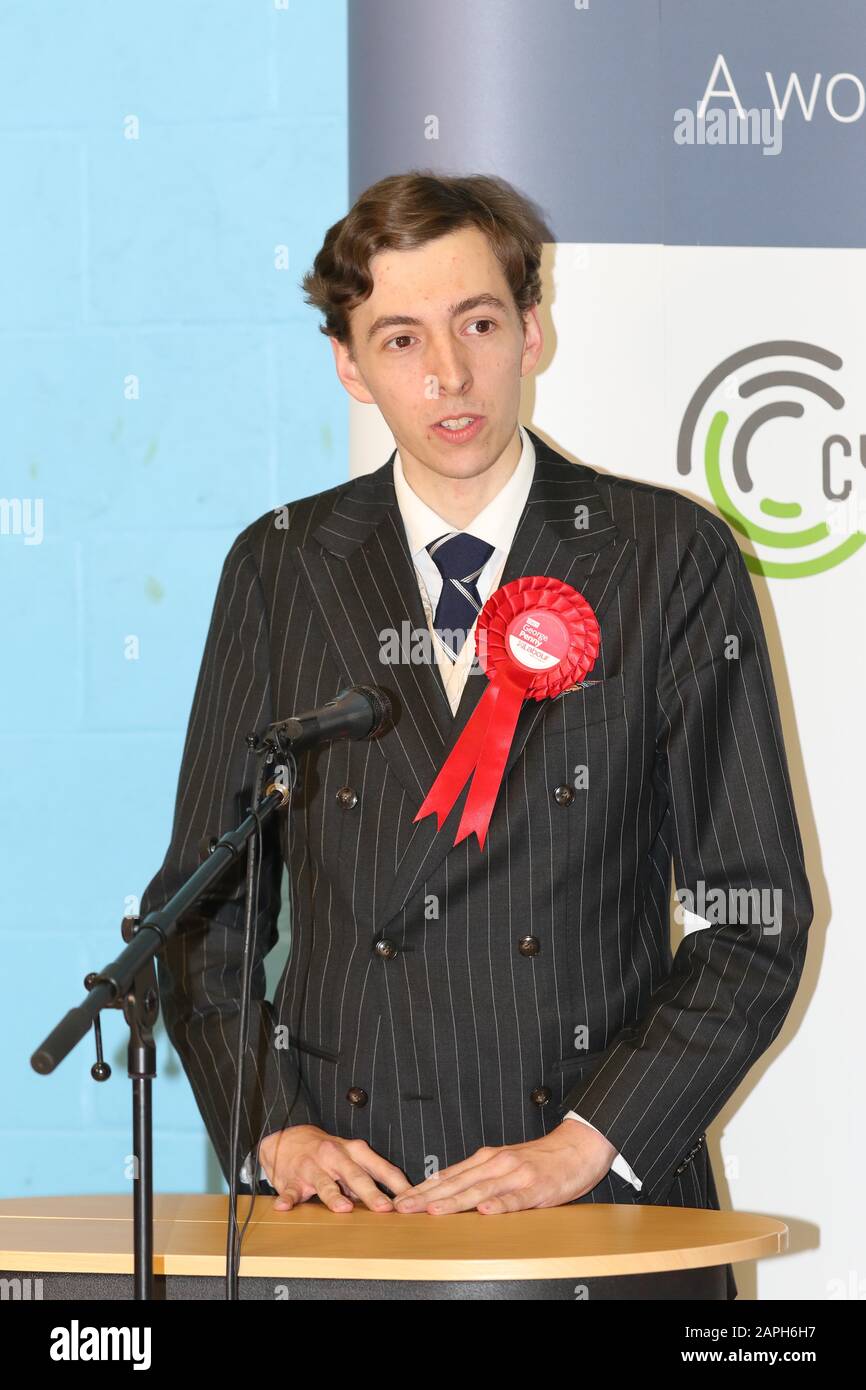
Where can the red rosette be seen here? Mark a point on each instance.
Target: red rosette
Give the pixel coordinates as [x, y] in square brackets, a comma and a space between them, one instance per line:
[534, 637]
[571, 646]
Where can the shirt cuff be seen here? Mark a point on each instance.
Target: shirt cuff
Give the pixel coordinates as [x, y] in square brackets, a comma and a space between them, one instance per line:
[247, 1168]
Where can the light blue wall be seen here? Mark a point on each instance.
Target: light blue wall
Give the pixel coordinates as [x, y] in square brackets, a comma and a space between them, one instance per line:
[149, 260]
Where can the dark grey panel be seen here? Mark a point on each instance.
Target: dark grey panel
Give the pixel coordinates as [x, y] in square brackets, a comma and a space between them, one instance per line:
[523, 90]
[577, 108]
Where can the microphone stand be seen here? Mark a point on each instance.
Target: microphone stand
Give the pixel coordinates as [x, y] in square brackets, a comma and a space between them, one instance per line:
[129, 983]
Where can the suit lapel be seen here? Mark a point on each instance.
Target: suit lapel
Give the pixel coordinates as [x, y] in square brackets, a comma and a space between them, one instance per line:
[362, 586]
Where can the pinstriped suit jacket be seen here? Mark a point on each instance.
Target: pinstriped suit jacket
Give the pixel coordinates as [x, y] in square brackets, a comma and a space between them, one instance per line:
[450, 1036]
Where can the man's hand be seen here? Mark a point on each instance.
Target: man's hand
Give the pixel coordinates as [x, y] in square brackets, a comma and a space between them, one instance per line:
[546, 1172]
[305, 1161]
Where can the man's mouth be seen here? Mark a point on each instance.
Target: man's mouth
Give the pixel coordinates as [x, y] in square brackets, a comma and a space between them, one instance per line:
[457, 422]
[459, 428]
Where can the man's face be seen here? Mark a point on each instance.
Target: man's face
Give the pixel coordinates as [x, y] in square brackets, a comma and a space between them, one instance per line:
[433, 362]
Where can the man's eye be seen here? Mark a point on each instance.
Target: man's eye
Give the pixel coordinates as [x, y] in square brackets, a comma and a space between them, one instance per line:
[407, 337]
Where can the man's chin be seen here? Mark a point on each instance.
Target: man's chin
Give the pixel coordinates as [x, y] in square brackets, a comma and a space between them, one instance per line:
[458, 461]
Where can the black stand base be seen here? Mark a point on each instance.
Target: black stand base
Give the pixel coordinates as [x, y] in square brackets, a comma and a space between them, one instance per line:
[712, 1282]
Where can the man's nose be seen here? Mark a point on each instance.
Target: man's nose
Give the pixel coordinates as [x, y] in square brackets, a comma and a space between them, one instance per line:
[447, 364]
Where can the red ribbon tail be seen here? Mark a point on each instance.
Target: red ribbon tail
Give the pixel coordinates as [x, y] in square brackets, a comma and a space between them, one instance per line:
[460, 763]
[492, 756]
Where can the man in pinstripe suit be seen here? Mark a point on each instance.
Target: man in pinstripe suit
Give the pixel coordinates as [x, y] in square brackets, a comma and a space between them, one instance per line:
[502, 1028]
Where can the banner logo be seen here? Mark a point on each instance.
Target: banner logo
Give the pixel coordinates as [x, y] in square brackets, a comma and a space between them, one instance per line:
[797, 495]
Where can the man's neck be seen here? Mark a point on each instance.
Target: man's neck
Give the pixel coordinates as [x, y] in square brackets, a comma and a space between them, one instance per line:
[459, 500]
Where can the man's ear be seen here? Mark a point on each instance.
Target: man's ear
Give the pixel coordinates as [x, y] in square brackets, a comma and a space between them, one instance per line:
[350, 373]
[533, 341]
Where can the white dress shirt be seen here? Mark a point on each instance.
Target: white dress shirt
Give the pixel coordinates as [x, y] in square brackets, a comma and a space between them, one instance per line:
[496, 523]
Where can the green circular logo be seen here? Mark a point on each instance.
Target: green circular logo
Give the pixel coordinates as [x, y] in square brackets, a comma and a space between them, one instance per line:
[716, 427]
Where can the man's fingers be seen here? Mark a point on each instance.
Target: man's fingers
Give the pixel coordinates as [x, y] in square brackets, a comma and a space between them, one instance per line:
[506, 1201]
[288, 1195]
[293, 1191]
[352, 1163]
[456, 1169]
[388, 1174]
[331, 1183]
[463, 1192]
[339, 1172]
[513, 1193]
[458, 1178]
[328, 1190]
[351, 1174]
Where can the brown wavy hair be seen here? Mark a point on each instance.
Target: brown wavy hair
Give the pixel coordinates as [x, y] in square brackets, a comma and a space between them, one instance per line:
[404, 211]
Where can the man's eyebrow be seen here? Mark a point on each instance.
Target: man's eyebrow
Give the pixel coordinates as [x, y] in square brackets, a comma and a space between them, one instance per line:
[475, 301]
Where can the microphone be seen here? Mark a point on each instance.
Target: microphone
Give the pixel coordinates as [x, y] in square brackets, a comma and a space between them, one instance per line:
[360, 711]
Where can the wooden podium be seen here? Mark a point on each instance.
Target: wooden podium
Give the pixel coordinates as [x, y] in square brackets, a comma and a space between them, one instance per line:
[81, 1249]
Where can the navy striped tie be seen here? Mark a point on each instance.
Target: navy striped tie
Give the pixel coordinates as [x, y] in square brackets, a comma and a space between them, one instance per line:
[460, 558]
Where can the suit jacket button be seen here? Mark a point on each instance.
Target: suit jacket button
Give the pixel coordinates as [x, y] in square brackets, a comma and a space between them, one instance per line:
[529, 946]
[347, 797]
[540, 1096]
[356, 1096]
[564, 795]
[384, 948]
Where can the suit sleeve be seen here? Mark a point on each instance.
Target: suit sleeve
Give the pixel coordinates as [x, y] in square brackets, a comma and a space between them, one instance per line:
[738, 863]
[199, 969]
